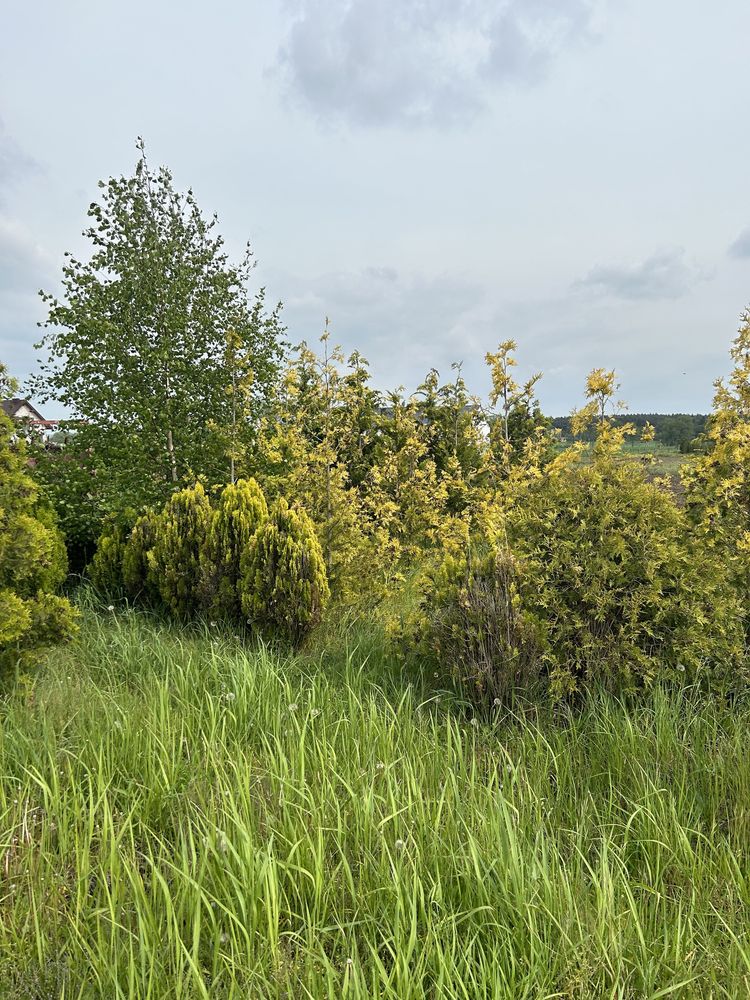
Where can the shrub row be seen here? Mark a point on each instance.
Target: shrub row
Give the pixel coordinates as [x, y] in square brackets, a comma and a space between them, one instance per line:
[234, 560]
[589, 573]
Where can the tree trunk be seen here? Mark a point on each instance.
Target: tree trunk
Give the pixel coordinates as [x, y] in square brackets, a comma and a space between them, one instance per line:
[172, 459]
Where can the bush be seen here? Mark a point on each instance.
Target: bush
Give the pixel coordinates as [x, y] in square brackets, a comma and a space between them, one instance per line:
[138, 576]
[717, 483]
[284, 585]
[32, 561]
[603, 584]
[240, 511]
[106, 567]
[176, 556]
[473, 622]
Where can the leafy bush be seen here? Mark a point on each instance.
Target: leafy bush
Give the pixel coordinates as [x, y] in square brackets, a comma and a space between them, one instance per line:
[176, 556]
[240, 511]
[473, 623]
[284, 586]
[592, 575]
[32, 560]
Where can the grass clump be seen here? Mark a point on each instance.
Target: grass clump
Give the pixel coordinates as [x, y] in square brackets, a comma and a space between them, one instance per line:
[186, 817]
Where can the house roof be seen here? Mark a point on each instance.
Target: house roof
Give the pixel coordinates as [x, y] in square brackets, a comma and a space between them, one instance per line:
[12, 406]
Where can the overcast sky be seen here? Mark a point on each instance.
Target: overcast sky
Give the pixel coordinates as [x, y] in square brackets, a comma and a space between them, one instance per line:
[434, 175]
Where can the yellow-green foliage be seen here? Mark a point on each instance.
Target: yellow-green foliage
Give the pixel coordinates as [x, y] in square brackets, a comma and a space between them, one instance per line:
[717, 484]
[175, 557]
[612, 577]
[32, 562]
[582, 572]
[240, 511]
[106, 567]
[593, 576]
[308, 454]
[284, 586]
[138, 574]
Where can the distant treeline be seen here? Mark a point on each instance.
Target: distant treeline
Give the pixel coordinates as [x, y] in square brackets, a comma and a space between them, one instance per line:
[676, 429]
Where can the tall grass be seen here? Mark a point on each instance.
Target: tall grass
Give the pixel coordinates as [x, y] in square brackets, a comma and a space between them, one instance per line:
[181, 816]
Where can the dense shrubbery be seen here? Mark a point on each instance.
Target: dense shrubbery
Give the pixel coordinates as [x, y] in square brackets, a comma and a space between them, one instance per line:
[584, 571]
[591, 576]
[32, 560]
[176, 556]
[543, 571]
[717, 484]
[233, 560]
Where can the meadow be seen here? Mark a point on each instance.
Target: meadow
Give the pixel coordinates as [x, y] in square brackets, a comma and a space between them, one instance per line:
[186, 814]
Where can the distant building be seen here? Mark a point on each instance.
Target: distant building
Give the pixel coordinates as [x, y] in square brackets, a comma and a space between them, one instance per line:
[21, 409]
[33, 423]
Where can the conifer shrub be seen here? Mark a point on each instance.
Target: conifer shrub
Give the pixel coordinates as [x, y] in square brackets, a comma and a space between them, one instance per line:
[592, 576]
[32, 561]
[138, 575]
[106, 567]
[284, 585]
[717, 483]
[176, 556]
[239, 512]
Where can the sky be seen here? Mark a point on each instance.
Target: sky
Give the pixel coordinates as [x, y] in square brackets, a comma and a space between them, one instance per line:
[435, 176]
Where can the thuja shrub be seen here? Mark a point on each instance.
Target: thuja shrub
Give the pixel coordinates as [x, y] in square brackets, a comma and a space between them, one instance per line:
[138, 574]
[239, 512]
[175, 558]
[33, 562]
[717, 484]
[607, 587]
[284, 587]
[105, 570]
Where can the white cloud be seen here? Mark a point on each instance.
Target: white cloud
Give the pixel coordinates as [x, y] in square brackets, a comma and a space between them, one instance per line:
[741, 246]
[664, 275]
[421, 61]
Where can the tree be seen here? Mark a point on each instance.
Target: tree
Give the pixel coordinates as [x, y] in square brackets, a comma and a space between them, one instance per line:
[154, 345]
[32, 557]
[451, 420]
[515, 415]
[320, 437]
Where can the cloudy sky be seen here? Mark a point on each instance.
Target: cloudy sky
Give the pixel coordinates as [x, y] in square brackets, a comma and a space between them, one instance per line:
[434, 175]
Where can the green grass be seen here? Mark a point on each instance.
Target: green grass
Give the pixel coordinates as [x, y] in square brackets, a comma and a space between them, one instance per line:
[659, 459]
[182, 816]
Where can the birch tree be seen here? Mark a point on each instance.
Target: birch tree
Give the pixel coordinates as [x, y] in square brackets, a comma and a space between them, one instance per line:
[152, 341]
